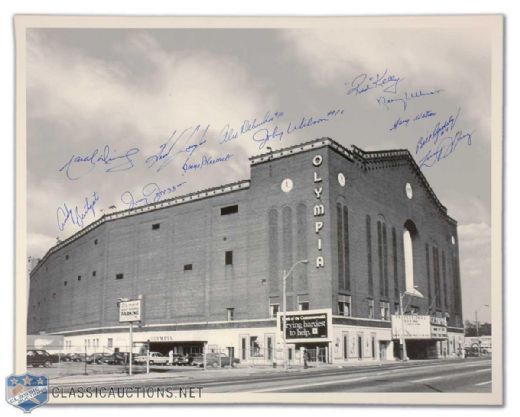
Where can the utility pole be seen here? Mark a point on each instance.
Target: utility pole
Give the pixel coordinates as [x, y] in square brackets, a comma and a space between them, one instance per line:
[131, 346]
[284, 304]
[284, 327]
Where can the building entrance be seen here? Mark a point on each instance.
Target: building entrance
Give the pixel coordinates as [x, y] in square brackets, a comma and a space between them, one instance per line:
[316, 352]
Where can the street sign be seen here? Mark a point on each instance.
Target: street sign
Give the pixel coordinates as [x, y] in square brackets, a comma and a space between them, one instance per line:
[130, 311]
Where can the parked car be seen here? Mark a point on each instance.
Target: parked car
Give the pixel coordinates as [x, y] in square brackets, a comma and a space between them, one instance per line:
[76, 357]
[180, 360]
[156, 358]
[97, 358]
[37, 357]
[116, 358]
[192, 356]
[213, 360]
[470, 352]
[62, 357]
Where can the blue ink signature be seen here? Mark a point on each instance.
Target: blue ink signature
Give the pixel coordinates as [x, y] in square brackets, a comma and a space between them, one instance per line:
[229, 134]
[441, 141]
[387, 101]
[150, 193]
[404, 122]
[439, 130]
[106, 156]
[168, 152]
[205, 161]
[263, 136]
[445, 147]
[363, 83]
[76, 215]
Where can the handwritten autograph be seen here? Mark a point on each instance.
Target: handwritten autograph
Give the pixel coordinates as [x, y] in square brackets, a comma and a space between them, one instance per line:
[363, 83]
[441, 141]
[79, 165]
[168, 151]
[407, 120]
[263, 136]
[405, 98]
[150, 193]
[76, 215]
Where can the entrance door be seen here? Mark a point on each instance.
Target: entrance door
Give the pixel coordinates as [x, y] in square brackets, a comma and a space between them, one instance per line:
[382, 350]
[269, 348]
[231, 352]
[360, 347]
[345, 346]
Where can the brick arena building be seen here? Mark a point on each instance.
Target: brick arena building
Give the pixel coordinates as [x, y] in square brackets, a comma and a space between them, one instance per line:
[208, 265]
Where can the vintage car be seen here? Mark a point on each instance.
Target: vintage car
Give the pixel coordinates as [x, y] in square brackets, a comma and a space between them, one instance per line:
[116, 358]
[38, 357]
[215, 359]
[155, 358]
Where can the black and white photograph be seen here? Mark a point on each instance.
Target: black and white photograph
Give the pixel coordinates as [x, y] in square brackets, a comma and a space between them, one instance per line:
[258, 210]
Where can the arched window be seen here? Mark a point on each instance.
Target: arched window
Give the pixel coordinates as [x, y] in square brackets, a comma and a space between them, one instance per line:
[409, 233]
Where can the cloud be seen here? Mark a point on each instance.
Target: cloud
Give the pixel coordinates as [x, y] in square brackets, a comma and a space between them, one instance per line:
[135, 95]
[475, 266]
[453, 59]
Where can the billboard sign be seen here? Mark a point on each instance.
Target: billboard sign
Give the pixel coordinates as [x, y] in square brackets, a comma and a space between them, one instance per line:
[306, 325]
[129, 310]
[412, 326]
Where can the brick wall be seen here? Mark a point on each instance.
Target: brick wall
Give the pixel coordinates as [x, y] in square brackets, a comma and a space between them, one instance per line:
[152, 260]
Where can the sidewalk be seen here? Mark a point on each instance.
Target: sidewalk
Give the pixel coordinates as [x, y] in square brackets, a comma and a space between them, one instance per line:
[181, 372]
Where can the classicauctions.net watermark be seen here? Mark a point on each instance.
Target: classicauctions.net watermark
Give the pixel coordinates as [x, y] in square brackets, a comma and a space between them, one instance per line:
[127, 392]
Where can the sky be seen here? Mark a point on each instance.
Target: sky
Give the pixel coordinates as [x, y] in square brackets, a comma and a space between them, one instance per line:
[128, 93]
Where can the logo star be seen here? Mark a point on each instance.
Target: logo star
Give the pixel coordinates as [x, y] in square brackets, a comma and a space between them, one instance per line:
[14, 381]
[27, 380]
[40, 381]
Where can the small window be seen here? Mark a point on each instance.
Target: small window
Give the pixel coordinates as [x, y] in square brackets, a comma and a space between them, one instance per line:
[156, 226]
[229, 257]
[344, 308]
[344, 305]
[79, 277]
[119, 276]
[64, 283]
[370, 309]
[273, 310]
[66, 257]
[385, 310]
[188, 267]
[230, 314]
[95, 241]
[229, 210]
[110, 342]
[303, 306]
[93, 273]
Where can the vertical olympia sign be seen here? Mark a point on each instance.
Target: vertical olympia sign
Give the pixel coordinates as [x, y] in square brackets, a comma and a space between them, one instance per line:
[319, 208]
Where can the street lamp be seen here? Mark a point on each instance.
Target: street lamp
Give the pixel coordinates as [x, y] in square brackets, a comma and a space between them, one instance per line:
[413, 293]
[286, 275]
[476, 326]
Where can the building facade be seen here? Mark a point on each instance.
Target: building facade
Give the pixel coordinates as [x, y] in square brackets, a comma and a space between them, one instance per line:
[208, 266]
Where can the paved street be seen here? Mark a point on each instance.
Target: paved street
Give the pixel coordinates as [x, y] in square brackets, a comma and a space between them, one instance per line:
[470, 375]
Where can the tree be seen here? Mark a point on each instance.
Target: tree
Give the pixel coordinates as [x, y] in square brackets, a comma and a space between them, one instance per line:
[470, 329]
